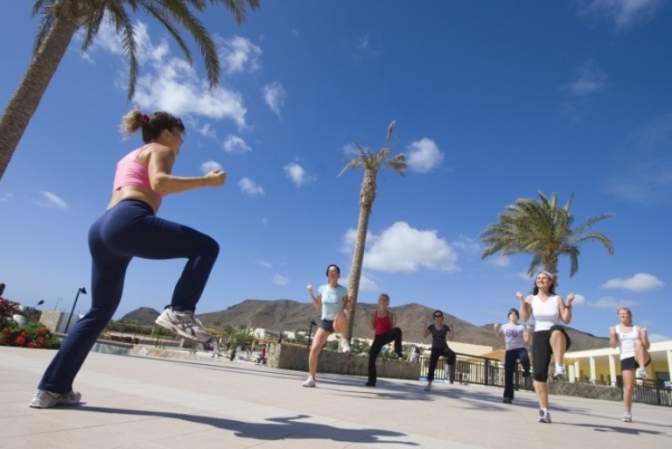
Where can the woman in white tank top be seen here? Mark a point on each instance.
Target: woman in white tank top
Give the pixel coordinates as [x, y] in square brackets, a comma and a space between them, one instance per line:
[633, 343]
[550, 313]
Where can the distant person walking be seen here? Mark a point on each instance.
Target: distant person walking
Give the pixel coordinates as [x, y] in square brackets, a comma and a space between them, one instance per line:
[550, 313]
[440, 334]
[516, 336]
[383, 323]
[130, 228]
[633, 343]
[334, 299]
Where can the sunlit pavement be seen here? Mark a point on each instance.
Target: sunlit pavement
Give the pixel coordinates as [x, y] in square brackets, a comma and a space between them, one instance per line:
[136, 402]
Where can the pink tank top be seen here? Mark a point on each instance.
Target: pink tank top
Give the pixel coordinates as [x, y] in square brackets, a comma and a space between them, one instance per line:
[132, 172]
[383, 324]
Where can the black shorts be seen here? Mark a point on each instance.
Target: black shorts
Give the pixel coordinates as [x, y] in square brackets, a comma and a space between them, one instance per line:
[327, 325]
[631, 363]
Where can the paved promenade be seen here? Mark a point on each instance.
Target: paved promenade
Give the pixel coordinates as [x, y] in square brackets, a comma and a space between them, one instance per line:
[143, 403]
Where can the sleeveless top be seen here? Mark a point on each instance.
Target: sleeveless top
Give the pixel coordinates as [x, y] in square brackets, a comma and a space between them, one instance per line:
[383, 323]
[626, 341]
[132, 172]
[546, 313]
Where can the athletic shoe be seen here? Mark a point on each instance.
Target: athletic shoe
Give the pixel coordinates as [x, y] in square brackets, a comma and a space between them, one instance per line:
[345, 346]
[507, 400]
[310, 382]
[370, 384]
[428, 387]
[544, 416]
[641, 374]
[627, 417]
[184, 324]
[47, 399]
[400, 354]
[559, 371]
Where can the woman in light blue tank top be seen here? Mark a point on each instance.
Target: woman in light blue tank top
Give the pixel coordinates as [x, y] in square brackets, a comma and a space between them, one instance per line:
[334, 300]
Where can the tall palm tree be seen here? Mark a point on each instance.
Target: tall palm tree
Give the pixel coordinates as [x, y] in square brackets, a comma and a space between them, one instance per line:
[543, 230]
[62, 18]
[371, 162]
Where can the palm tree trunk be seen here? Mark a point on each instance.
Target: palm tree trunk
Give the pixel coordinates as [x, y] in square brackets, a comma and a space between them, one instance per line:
[366, 197]
[26, 98]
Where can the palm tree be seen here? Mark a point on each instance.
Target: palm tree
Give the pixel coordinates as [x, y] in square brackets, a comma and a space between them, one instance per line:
[543, 230]
[62, 18]
[371, 163]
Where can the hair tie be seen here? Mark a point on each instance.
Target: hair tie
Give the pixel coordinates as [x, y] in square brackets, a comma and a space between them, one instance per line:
[145, 119]
[549, 274]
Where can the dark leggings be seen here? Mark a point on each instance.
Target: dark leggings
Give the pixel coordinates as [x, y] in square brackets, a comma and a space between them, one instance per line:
[129, 229]
[378, 342]
[434, 360]
[541, 351]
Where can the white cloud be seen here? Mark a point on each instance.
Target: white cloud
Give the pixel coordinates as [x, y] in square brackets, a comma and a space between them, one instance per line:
[206, 131]
[274, 96]
[655, 338]
[264, 221]
[235, 144]
[401, 248]
[423, 155]
[169, 83]
[640, 282]
[280, 280]
[250, 187]
[612, 303]
[264, 263]
[296, 174]
[208, 166]
[239, 55]
[467, 245]
[6, 197]
[590, 80]
[363, 42]
[52, 201]
[579, 299]
[623, 13]
[643, 170]
[366, 284]
[500, 261]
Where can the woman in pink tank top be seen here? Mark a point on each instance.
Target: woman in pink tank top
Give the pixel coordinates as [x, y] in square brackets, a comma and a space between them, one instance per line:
[130, 228]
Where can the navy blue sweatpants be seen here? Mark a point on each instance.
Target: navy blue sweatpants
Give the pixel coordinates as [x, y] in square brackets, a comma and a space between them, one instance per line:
[129, 229]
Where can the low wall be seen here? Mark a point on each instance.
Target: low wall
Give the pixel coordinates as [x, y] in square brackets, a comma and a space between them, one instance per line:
[293, 357]
[582, 390]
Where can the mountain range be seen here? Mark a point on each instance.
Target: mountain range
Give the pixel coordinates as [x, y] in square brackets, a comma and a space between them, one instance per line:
[291, 316]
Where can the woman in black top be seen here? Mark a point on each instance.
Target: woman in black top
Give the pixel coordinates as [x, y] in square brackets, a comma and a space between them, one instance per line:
[440, 334]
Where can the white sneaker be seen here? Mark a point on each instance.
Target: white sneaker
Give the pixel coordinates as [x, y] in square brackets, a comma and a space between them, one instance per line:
[428, 387]
[184, 324]
[310, 382]
[627, 417]
[345, 346]
[544, 416]
[641, 374]
[559, 371]
[46, 399]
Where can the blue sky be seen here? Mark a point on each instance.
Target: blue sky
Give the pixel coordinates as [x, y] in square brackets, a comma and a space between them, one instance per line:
[493, 101]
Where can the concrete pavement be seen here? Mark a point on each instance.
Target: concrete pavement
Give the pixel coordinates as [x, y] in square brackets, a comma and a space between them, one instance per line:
[145, 403]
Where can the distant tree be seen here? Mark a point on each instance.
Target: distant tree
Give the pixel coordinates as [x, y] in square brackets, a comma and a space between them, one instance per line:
[62, 18]
[371, 163]
[543, 230]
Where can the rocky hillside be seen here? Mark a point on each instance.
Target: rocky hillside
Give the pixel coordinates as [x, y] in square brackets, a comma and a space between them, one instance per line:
[291, 316]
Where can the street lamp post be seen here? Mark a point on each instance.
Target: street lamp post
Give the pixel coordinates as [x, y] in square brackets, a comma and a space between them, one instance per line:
[83, 291]
[310, 331]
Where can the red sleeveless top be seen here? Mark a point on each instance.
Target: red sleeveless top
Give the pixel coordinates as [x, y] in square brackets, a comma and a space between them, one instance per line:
[383, 324]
